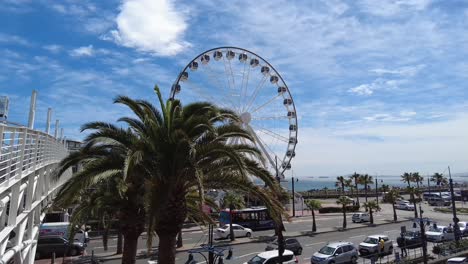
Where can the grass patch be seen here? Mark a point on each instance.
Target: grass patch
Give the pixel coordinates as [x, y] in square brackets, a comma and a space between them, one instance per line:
[449, 210]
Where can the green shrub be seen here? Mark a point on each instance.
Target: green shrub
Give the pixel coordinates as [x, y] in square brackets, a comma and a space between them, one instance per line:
[333, 209]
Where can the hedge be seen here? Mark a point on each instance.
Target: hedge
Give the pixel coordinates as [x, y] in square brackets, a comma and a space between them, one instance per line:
[331, 209]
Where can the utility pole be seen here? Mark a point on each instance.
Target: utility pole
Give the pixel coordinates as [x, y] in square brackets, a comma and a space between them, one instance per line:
[377, 190]
[280, 227]
[423, 234]
[456, 228]
[428, 185]
[210, 243]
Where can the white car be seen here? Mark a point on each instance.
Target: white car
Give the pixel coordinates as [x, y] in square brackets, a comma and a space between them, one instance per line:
[239, 231]
[272, 257]
[370, 245]
[360, 217]
[439, 234]
[336, 252]
[459, 260]
[403, 205]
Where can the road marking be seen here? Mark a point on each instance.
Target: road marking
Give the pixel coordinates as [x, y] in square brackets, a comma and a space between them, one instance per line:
[107, 246]
[356, 236]
[308, 245]
[186, 238]
[196, 232]
[241, 256]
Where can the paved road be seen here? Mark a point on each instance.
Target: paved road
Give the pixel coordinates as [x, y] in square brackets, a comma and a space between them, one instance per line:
[310, 244]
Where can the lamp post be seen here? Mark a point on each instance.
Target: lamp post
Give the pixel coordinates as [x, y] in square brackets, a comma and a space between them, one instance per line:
[279, 228]
[377, 190]
[421, 221]
[293, 194]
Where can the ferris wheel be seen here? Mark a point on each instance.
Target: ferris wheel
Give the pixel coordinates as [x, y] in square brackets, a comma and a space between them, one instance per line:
[244, 82]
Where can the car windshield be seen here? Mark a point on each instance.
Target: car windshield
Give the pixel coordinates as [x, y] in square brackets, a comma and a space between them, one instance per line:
[371, 240]
[412, 234]
[436, 229]
[225, 227]
[326, 250]
[256, 260]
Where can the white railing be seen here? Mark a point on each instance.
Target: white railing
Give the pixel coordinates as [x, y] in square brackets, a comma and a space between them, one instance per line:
[27, 162]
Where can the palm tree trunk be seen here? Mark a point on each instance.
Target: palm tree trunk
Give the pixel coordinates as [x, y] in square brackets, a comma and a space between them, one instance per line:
[105, 236]
[394, 212]
[357, 193]
[365, 191]
[371, 220]
[179, 243]
[119, 242]
[314, 226]
[166, 247]
[231, 230]
[344, 216]
[130, 245]
[342, 188]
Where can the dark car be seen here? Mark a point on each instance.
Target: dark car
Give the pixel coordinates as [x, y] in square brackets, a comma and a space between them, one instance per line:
[410, 240]
[47, 245]
[289, 243]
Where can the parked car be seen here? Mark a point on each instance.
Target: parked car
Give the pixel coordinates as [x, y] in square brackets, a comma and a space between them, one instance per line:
[459, 260]
[360, 217]
[336, 252]
[272, 256]
[58, 244]
[439, 234]
[239, 231]
[370, 246]
[289, 243]
[404, 205]
[437, 201]
[410, 240]
[463, 228]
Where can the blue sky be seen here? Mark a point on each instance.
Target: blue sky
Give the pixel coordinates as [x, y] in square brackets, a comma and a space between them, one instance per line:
[379, 86]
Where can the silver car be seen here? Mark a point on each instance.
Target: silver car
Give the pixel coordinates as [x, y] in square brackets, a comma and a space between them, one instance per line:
[336, 252]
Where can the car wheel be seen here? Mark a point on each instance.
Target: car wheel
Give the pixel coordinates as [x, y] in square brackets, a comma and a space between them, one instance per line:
[331, 262]
[299, 251]
[228, 237]
[248, 234]
[73, 252]
[354, 260]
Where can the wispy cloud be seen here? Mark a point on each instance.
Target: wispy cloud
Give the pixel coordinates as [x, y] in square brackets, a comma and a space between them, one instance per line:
[152, 26]
[407, 71]
[53, 48]
[85, 51]
[13, 39]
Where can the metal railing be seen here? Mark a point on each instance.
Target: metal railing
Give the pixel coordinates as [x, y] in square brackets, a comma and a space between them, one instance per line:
[27, 162]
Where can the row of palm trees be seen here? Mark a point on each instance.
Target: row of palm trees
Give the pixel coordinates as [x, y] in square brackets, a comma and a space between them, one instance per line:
[353, 183]
[151, 173]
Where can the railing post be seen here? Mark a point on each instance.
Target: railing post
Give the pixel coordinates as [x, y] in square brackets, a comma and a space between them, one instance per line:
[10, 155]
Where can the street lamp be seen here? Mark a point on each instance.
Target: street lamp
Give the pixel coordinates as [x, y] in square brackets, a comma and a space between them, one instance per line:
[454, 211]
[293, 194]
[377, 190]
[421, 221]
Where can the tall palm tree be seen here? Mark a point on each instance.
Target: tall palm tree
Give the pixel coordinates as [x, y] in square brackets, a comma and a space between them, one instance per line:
[187, 148]
[371, 206]
[344, 202]
[392, 197]
[440, 180]
[102, 159]
[415, 197]
[356, 178]
[313, 205]
[366, 180]
[385, 188]
[233, 201]
[407, 177]
[416, 178]
[340, 183]
[350, 185]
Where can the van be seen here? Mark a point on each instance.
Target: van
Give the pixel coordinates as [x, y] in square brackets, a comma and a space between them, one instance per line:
[360, 217]
[437, 201]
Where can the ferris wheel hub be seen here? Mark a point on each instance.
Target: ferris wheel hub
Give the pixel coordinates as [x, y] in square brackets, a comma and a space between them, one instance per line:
[246, 117]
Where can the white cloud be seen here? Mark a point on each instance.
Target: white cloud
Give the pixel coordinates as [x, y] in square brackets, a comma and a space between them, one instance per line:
[407, 71]
[53, 48]
[155, 26]
[363, 89]
[387, 8]
[13, 39]
[85, 51]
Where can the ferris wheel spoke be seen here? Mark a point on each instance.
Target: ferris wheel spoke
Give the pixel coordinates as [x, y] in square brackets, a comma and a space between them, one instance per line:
[265, 104]
[278, 117]
[209, 98]
[255, 93]
[228, 73]
[223, 87]
[244, 90]
[262, 146]
[241, 88]
[271, 133]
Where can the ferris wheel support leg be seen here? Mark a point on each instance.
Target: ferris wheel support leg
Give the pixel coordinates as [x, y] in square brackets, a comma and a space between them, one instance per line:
[270, 159]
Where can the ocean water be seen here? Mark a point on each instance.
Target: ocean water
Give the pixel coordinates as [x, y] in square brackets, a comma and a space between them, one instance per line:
[305, 184]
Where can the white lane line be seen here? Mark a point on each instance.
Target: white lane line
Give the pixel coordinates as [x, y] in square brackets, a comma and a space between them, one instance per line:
[241, 256]
[196, 232]
[357, 236]
[308, 245]
[186, 238]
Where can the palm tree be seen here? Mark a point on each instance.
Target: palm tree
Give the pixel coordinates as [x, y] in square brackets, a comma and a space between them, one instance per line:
[313, 205]
[385, 188]
[414, 192]
[371, 206]
[440, 180]
[356, 178]
[406, 177]
[344, 202]
[366, 180]
[188, 148]
[233, 201]
[418, 179]
[340, 183]
[392, 197]
[102, 159]
[349, 184]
